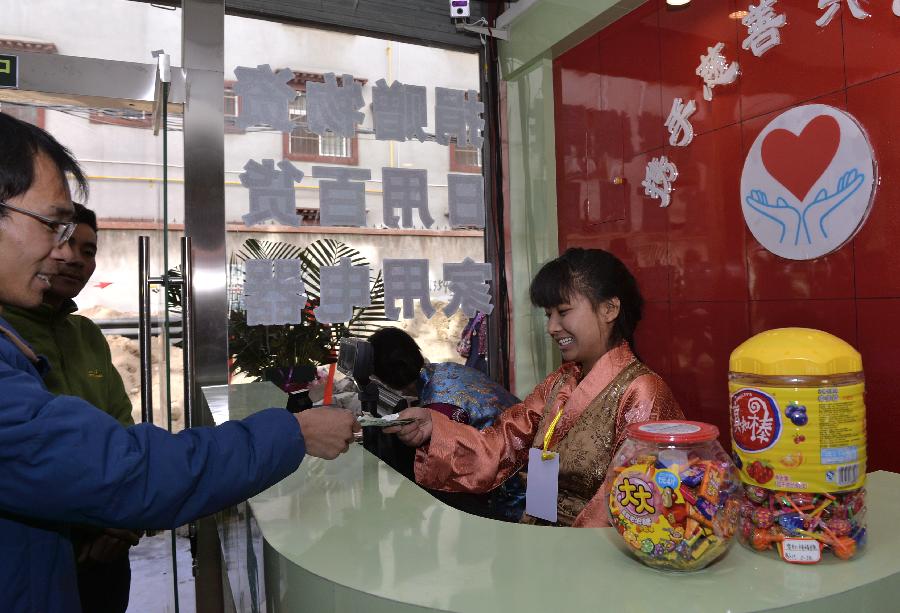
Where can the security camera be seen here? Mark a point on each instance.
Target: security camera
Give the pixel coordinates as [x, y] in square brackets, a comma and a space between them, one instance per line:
[459, 8]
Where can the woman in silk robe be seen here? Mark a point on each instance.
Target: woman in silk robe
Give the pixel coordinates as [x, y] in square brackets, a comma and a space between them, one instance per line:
[593, 306]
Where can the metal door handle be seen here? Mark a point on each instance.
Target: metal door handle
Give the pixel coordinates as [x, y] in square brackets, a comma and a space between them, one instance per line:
[187, 328]
[145, 325]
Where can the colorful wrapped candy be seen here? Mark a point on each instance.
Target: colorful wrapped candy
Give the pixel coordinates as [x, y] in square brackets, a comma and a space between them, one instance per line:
[836, 522]
[674, 494]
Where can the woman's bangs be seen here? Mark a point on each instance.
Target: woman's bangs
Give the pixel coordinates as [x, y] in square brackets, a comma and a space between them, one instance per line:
[553, 285]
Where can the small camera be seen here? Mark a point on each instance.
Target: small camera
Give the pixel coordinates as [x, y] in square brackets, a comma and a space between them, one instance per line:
[459, 8]
[355, 359]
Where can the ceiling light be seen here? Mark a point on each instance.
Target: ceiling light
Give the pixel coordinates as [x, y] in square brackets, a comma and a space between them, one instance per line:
[677, 2]
[738, 15]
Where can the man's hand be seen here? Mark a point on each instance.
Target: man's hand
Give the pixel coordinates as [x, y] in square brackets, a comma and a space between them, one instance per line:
[109, 546]
[327, 432]
[416, 433]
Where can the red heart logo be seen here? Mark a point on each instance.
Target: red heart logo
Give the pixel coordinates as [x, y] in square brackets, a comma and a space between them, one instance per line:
[797, 162]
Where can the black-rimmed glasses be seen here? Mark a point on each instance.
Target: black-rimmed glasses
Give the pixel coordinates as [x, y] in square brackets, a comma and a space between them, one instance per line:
[62, 229]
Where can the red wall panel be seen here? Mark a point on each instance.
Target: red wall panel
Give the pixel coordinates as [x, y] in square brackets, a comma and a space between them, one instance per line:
[709, 284]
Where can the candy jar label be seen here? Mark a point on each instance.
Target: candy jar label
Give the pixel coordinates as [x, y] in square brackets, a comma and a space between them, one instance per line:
[799, 439]
[801, 551]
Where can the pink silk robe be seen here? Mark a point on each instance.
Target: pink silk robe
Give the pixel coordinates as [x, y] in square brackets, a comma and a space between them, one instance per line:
[460, 458]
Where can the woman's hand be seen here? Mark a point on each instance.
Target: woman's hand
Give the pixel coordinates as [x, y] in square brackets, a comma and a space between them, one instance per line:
[416, 433]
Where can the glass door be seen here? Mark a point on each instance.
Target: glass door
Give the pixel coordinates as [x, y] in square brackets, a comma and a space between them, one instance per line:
[132, 200]
[130, 147]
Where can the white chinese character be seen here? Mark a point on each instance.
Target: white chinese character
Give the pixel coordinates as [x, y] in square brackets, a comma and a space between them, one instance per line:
[344, 287]
[761, 422]
[405, 189]
[896, 7]
[399, 111]
[333, 108]
[468, 282]
[761, 429]
[406, 280]
[274, 293]
[762, 27]
[741, 425]
[678, 124]
[714, 70]
[458, 114]
[661, 173]
[265, 96]
[833, 6]
[272, 194]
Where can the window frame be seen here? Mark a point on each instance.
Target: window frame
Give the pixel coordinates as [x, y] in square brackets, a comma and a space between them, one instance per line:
[456, 166]
[231, 127]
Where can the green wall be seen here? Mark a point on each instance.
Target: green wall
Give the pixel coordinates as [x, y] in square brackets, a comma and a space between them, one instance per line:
[545, 30]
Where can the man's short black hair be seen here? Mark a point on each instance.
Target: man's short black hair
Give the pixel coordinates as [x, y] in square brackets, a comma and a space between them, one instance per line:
[397, 358]
[20, 144]
[86, 216]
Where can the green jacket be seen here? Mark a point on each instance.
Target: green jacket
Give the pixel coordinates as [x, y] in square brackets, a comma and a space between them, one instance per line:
[80, 360]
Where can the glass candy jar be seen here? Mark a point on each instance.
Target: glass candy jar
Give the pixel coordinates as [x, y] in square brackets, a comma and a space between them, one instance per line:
[798, 434]
[673, 494]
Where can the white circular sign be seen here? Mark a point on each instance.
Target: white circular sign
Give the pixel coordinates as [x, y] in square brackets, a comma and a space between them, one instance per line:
[808, 182]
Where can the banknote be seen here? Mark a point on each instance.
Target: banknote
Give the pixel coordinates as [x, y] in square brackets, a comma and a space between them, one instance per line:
[367, 420]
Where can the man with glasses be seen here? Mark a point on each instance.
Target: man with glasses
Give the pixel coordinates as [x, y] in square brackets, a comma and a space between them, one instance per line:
[63, 461]
[81, 365]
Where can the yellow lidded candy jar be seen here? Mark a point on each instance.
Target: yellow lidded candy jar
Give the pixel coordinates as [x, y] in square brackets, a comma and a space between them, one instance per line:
[798, 432]
[672, 494]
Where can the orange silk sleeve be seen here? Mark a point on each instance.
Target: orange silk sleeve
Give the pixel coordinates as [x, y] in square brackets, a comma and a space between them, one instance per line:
[460, 458]
[648, 398]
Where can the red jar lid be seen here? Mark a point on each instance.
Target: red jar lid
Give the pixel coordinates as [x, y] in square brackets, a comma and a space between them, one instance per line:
[674, 431]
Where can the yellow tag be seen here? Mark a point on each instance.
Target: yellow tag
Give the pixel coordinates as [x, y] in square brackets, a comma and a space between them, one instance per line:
[545, 454]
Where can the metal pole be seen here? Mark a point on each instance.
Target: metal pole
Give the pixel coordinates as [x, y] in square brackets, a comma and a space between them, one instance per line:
[203, 57]
[144, 330]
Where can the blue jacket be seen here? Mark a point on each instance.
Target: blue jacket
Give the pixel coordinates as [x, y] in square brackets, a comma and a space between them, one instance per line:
[64, 461]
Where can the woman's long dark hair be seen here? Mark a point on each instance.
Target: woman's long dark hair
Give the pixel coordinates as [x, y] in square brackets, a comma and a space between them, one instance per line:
[599, 276]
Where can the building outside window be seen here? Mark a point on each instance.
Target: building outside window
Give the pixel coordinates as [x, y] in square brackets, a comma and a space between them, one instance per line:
[122, 117]
[232, 105]
[464, 159]
[32, 114]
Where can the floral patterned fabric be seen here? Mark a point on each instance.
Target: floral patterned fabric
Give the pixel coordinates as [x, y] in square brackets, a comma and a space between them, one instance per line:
[468, 396]
[470, 390]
